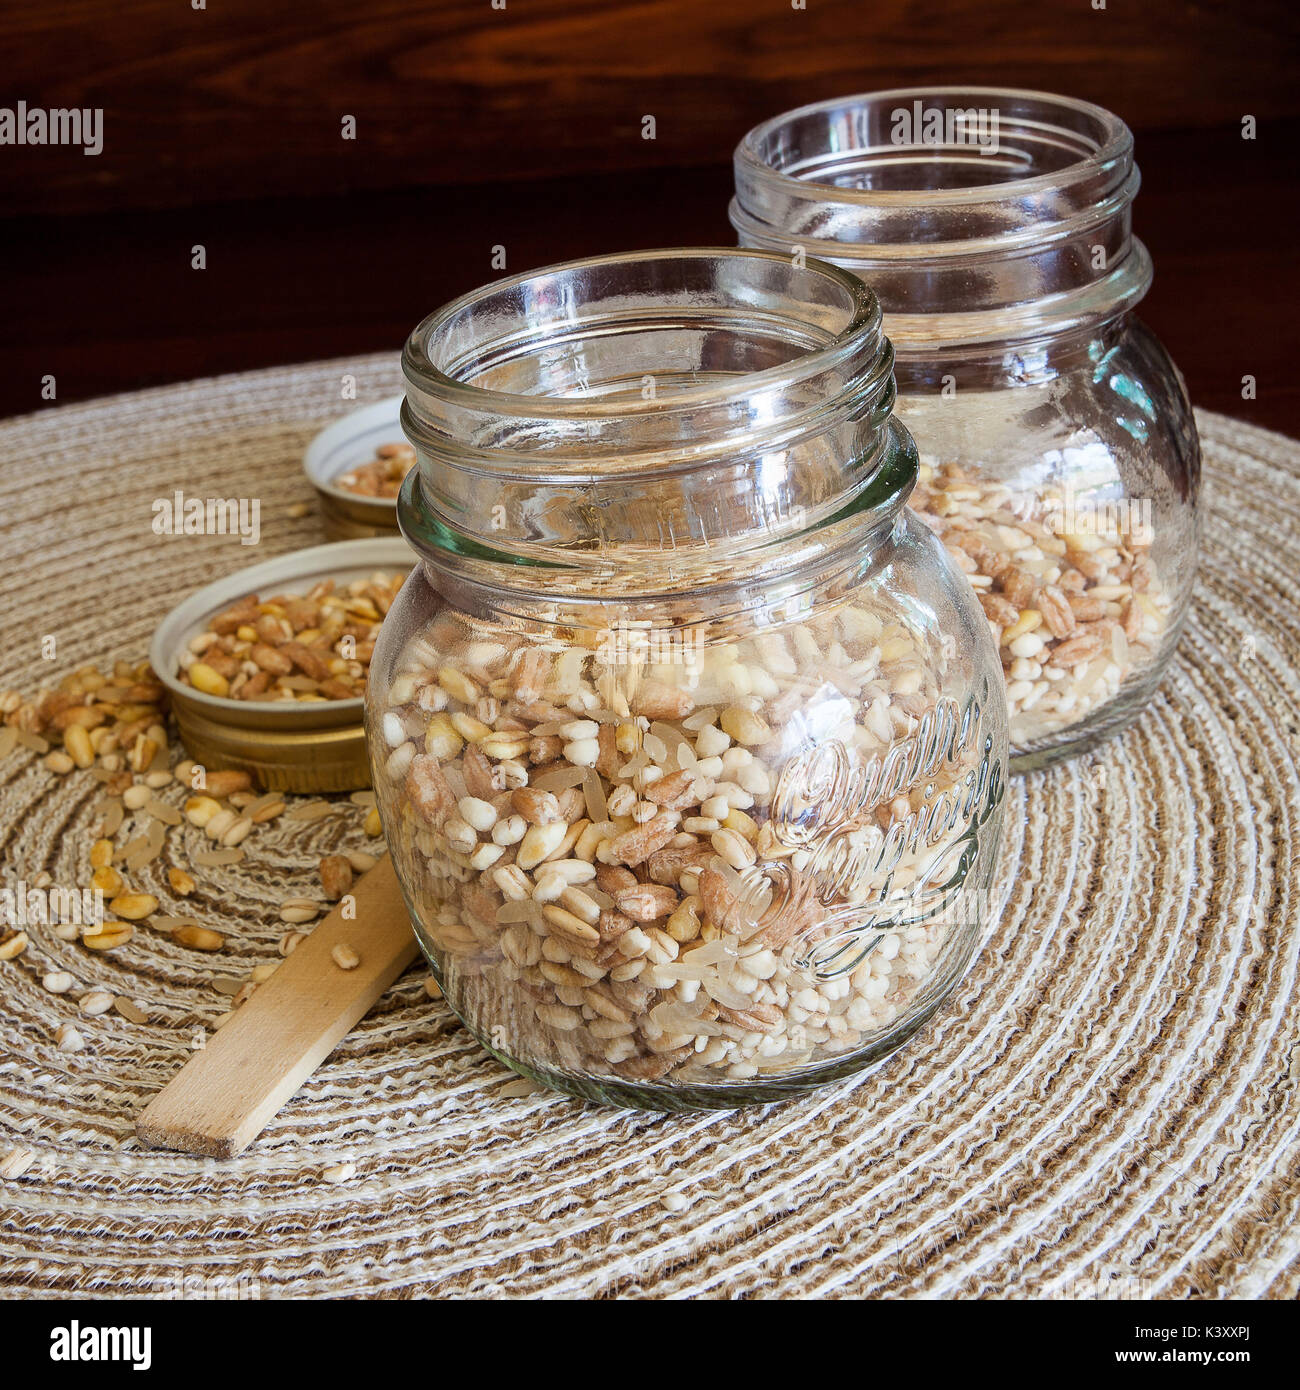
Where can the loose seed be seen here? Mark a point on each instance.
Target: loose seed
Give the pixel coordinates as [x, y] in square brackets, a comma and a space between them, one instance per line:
[162, 812]
[143, 752]
[107, 936]
[505, 747]
[237, 832]
[298, 910]
[581, 904]
[570, 924]
[335, 876]
[457, 685]
[226, 781]
[199, 938]
[345, 957]
[731, 846]
[480, 815]
[202, 677]
[12, 946]
[469, 728]
[539, 843]
[77, 742]
[108, 881]
[559, 1017]
[684, 924]
[1030, 619]
[744, 726]
[134, 906]
[485, 856]
[219, 824]
[199, 810]
[182, 883]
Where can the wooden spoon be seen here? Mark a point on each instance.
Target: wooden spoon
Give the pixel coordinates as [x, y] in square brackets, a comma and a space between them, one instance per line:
[224, 1096]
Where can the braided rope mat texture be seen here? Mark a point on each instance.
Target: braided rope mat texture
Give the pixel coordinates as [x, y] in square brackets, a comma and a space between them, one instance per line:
[1107, 1108]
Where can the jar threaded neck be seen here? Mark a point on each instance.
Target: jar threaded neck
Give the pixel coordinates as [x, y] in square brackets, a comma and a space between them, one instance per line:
[694, 403]
[976, 214]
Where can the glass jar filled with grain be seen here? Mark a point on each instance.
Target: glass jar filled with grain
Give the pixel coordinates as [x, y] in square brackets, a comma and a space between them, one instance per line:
[1059, 457]
[689, 739]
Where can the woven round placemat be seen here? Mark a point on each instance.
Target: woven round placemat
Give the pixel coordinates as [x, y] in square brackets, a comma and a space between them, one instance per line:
[1107, 1108]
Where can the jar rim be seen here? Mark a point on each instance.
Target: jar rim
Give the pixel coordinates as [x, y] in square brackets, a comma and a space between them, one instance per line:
[1114, 143]
[578, 578]
[893, 186]
[862, 330]
[771, 386]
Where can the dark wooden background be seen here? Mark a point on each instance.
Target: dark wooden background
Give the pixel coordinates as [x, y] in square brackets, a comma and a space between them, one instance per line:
[522, 127]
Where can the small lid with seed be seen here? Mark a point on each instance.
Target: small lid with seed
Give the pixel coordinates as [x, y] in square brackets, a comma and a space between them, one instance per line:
[316, 746]
[347, 444]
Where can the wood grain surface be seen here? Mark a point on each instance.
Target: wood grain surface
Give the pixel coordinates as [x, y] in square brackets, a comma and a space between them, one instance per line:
[480, 127]
[244, 99]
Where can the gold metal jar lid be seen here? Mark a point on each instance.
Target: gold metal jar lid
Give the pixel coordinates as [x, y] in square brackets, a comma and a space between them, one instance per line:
[308, 748]
[344, 445]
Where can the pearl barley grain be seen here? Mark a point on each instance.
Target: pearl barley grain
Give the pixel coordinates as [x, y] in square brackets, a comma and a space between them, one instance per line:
[478, 814]
[345, 957]
[299, 910]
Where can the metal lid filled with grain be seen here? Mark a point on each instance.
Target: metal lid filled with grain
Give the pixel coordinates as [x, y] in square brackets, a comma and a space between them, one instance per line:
[266, 667]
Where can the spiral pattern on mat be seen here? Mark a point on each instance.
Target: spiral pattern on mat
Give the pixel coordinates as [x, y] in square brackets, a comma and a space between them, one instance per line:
[1106, 1108]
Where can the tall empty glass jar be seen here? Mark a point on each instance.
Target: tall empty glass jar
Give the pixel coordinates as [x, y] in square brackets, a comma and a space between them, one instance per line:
[689, 739]
[1060, 462]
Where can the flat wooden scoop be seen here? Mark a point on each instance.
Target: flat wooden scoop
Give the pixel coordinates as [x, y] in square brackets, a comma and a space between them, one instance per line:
[224, 1096]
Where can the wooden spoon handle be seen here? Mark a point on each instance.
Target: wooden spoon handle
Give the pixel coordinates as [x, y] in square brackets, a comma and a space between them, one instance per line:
[224, 1096]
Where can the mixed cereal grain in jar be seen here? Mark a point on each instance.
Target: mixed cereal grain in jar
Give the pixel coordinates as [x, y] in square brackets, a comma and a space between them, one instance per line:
[689, 740]
[1075, 613]
[1060, 463]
